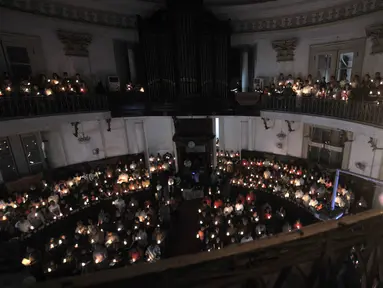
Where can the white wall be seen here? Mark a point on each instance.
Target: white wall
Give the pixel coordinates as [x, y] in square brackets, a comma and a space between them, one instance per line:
[362, 152]
[159, 135]
[258, 138]
[101, 61]
[339, 31]
[266, 139]
[127, 136]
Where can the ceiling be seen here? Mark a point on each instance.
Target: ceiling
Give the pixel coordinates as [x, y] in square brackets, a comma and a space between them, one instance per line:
[219, 2]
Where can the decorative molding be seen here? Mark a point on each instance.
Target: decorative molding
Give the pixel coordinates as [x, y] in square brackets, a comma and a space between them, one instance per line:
[75, 44]
[375, 32]
[105, 18]
[310, 18]
[285, 49]
[71, 13]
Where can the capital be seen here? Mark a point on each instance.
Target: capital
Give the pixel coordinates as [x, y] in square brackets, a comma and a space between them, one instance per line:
[285, 49]
[75, 44]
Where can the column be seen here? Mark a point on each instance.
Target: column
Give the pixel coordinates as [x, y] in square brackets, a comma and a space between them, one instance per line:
[214, 153]
[132, 65]
[347, 151]
[306, 139]
[175, 155]
[250, 133]
[377, 200]
[245, 69]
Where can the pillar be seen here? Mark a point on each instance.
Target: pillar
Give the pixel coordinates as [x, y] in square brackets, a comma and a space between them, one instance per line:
[214, 153]
[347, 151]
[132, 65]
[245, 69]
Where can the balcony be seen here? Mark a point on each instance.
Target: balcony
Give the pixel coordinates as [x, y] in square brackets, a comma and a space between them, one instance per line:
[370, 113]
[32, 106]
[343, 253]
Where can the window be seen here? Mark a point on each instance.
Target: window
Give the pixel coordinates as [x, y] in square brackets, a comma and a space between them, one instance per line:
[341, 59]
[324, 67]
[327, 136]
[345, 66]
[7, 163]
[325, 156]
[326, 146]
[18, 61]
[32, 153]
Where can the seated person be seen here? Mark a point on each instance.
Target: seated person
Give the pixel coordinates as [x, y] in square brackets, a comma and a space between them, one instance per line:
[24, 225]
[247, 238]
[228, 209]
[99, 254]
[133, 203]
[239, 207]
[158, 235]
[120, 204]
[36, 218]
[111, 238]
[54, 209]
[81, 228]
[141, 238]
[153, 253]
[141, 215]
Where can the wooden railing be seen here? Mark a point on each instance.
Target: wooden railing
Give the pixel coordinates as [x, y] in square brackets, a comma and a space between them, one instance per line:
[31, 106]
[327, 254]
[356, 111]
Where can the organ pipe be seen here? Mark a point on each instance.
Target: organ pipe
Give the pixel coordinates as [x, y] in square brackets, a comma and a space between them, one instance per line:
[186, 54]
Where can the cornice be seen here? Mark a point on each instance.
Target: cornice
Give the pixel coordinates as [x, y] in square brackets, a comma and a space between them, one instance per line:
[310, 18]
[111, 19]
[71, 13]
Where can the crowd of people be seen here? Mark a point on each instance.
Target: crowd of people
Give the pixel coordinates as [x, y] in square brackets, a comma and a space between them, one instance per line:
[241, 218]
[107, 217]
[96, 221]
[367, 89]
[43, 85]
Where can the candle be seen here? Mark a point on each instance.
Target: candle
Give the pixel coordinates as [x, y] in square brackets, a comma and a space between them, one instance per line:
[26, 262]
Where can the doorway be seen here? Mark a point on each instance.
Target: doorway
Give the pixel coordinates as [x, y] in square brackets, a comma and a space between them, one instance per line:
[195, 145]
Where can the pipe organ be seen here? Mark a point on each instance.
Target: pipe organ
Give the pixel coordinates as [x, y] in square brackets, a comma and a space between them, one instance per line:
[185, 50]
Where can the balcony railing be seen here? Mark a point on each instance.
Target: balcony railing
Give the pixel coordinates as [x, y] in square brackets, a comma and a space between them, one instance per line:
[30, 106]
[357, 111]
[343, 253]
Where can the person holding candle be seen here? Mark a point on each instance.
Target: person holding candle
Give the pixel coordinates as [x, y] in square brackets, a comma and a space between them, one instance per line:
[120, 204]
[36, 218]
[79, 85]
[54, 209]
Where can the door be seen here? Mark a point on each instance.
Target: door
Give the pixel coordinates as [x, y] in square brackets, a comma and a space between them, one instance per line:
[323, 65]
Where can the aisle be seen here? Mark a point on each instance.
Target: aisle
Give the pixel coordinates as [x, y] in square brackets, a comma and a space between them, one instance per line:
[181, 237]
